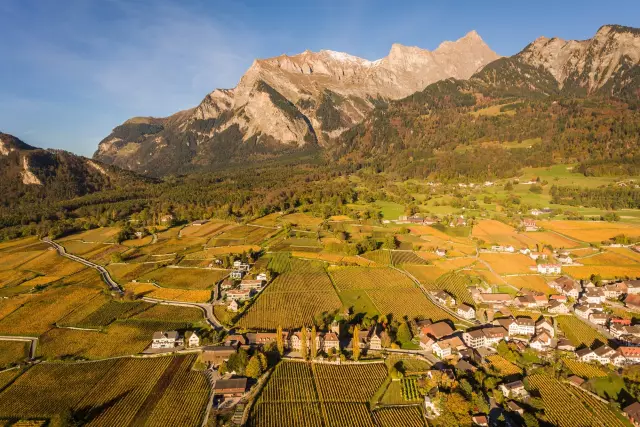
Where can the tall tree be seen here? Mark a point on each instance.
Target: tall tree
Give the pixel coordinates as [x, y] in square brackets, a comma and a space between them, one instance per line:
[356, 343]
[280, 340]
[254, 368]
[303, 343]
[313, 345]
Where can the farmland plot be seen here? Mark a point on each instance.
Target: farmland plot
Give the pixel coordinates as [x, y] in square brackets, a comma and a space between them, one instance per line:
[566, 406]
[291, 301]
[112, 392]
[185, 278]
[407, 416]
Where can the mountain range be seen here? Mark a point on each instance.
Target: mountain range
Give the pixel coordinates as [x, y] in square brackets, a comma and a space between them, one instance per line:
[289, 104]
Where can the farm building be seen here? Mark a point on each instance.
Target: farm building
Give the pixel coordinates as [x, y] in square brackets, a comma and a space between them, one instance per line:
[215, 355]
[166, 339]
[234, 387]
[466, 311]
[549, 268]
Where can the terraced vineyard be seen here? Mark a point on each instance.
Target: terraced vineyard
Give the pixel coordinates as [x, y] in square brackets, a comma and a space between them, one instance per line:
[113, 392]
[584, 370]
[301, 394]
[578, 332]
[390, 291]
[406, 257]
[291, 301]
[399, 416]
[348, 383]
[567, 406]
[381, 256]
[503, 366]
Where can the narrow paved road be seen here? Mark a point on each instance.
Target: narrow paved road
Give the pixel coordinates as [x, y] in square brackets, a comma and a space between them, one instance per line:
[32, 340]
[206, 308]
[103, 271]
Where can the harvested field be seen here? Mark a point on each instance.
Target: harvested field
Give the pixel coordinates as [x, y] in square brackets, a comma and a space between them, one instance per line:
[508, 263]
[592, 231]
[532, 282]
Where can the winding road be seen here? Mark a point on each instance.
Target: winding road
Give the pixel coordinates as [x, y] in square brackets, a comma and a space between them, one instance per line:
[103, 271]
[205, 307]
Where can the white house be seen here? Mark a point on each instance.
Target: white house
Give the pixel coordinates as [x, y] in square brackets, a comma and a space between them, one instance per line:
[239, 294]
[543, 325]
[514, 389]
[262, 277]
[441, 252]
[556, 307]
[168, 339]
[233, 306]
[445, 347]
[194, 340]
[466, 311]
[565, 260]
[541, 342]
[549, 268]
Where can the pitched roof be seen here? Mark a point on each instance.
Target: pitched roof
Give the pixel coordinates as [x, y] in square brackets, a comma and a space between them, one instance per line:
[633, 411]
[233, 383]
[438, 330]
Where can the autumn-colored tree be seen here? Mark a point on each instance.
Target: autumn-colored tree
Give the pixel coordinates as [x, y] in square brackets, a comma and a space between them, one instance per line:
[313, 345]
[254, 369]
[356, 343]
[280, 340]
[303, 343]
[264, 363]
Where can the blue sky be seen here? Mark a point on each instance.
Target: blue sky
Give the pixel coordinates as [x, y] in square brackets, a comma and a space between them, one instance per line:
[72, 70]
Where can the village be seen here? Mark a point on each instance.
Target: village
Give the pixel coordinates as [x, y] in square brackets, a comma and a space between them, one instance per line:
[443, 344]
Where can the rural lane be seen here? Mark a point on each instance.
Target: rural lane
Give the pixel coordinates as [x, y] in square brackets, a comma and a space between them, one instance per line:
[103, 271]
[206, 308]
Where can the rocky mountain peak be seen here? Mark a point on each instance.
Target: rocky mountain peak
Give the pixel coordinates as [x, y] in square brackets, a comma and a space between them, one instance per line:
[292, 101]
[586, 64]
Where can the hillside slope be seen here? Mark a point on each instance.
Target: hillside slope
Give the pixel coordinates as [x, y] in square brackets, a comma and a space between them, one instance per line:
[286, 104]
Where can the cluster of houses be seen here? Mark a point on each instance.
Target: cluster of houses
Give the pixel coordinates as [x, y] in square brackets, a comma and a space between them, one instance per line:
[245, 290]
[239, 270]
[555, 304]
[445, 342]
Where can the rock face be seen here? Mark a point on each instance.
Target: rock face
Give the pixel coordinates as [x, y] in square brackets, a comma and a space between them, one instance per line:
[587, 66]
[286, 103]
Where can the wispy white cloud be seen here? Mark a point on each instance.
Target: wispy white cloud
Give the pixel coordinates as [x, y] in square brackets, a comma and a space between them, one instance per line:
[154, 61]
